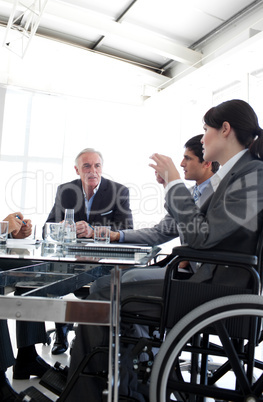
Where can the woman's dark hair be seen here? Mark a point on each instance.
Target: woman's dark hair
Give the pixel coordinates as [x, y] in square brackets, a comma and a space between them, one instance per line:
[194, 145]
[243, 119]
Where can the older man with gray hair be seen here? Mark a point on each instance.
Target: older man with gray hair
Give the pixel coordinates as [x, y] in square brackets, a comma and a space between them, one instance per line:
[96, 201]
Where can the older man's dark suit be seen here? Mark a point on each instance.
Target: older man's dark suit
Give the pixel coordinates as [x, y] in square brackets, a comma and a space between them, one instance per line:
[231, 219]
[6, 351]
[110, 207]
[27, 333]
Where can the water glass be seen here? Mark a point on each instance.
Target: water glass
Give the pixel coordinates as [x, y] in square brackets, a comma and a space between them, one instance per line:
[53, 233]
[4, 225]
[102, 234]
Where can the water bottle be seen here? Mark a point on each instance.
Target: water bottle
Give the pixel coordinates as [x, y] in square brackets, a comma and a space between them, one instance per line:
[70, 235]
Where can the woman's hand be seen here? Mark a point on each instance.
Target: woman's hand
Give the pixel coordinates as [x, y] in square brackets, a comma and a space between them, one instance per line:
[165, 167]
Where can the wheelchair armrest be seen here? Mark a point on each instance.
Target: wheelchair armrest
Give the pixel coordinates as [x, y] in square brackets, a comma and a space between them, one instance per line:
[129, 310]
[142, 299]
[214, 256]
[161, 259]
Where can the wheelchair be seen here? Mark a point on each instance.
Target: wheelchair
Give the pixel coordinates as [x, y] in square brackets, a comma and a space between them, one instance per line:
[210, 333]
[239, 375]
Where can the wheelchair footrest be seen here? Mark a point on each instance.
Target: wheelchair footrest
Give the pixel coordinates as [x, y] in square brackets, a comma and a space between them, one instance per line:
[32, 394]
[55, 378]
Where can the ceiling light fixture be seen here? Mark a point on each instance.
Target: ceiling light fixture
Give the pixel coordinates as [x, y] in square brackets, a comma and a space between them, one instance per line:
[22, 25]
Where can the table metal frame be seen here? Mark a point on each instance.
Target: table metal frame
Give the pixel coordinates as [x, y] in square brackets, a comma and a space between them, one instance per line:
[37, 305]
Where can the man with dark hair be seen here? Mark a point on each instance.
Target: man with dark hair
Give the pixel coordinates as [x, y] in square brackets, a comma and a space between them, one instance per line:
[194, 145]
[195, 168]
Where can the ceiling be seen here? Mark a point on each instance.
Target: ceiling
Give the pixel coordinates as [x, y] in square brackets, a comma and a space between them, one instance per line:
[162, 37]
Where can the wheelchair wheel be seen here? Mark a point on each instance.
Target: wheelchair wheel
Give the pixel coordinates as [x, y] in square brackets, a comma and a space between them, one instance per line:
[224, 369]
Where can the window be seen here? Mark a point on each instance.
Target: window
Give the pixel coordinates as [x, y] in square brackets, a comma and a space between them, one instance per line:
[31, 152]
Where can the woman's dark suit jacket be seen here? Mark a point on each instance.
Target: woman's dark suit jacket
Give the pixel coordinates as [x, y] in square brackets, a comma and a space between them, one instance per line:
[230, 220]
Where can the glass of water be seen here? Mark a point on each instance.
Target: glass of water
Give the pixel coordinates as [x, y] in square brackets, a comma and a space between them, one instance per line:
[4, 225]
[102, 234]
[53, 233]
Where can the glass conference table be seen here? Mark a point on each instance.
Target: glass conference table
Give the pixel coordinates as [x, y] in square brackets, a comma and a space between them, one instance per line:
[35, 276]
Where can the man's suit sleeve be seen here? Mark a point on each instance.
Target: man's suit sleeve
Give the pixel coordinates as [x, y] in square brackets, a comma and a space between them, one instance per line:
[69, 195]
[122, 215]
[164, 231]
[56, 214]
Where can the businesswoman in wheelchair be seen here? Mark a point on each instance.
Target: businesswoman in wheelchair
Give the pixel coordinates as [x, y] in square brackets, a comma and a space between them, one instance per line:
[230, 220]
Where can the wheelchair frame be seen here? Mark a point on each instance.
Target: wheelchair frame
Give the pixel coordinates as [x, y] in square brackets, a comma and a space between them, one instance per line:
[189, 330]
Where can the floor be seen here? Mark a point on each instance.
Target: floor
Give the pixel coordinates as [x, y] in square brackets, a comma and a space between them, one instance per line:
[45, 352]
